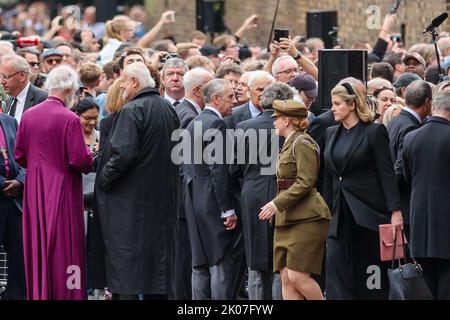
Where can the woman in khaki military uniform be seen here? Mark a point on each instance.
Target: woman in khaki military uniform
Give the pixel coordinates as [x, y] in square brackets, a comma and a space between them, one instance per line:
[301, 214]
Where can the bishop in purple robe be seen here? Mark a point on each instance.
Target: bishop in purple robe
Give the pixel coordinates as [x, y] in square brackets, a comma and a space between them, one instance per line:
[50, 145]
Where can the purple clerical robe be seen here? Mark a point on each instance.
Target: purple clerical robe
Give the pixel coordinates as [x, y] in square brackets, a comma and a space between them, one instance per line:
[51, 146]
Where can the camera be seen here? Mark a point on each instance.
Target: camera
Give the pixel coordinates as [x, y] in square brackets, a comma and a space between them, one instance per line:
[167, 56]
[280, 33]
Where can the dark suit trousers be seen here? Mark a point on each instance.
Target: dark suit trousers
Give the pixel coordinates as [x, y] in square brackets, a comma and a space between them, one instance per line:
[11, 239]
[183, 262]
[352, 258]
[437, 275]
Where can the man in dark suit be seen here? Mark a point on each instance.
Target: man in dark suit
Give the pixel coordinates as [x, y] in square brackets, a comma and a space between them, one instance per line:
[257, 82]
[426, 158]
[418, 97]
[15, 79]
[259, 188]
[208, 204]
[12, 177]
[191, 107]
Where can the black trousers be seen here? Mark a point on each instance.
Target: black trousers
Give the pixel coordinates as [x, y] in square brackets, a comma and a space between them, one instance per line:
[11, 239]
[437, 275]
[183, 263]
[353, 269]
[239, 262]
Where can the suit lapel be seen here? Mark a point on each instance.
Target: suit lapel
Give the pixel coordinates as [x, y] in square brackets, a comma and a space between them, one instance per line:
[29, 101]
[360, 134]
[330, 146]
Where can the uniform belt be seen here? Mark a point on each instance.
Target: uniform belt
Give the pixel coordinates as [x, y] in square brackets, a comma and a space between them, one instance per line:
[284, 184]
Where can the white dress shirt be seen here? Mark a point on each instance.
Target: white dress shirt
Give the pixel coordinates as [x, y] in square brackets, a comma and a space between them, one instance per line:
[172, 100]
[21, 97]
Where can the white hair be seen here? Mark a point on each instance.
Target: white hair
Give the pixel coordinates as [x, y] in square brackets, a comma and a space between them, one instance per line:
[195, 77]
[140, 72]
[441, 102]
[20, 64]
[62, 77]
[276, 64]
[259, 74]
[4, 43]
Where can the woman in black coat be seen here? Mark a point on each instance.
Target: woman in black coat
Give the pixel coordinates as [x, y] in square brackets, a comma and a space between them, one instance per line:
[365, 195]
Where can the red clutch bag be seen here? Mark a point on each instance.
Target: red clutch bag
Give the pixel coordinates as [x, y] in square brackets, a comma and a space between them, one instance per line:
[387, 243]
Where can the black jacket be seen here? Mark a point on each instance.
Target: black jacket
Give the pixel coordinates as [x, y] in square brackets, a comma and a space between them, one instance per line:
[398, 128]
[34, 97]
[258, 188]
[366, 181]
[136, 195]
[426, 158]
[316, 130]
[207, 194]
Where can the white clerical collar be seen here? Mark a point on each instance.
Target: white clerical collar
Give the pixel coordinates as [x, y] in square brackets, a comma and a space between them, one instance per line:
[214, 110]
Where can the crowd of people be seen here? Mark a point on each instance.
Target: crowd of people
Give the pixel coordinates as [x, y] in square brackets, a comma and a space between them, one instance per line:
[93, 200]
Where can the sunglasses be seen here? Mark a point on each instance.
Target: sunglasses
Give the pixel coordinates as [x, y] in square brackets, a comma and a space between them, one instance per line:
[34, 64]
[53, 60]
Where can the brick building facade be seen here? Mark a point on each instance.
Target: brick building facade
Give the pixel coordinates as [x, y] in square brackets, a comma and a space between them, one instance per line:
[352, 17]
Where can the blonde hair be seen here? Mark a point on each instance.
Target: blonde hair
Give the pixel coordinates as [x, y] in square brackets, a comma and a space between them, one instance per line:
[375, 84]
[389, 113]
[362, 111]
[115, 26]
[114, 101]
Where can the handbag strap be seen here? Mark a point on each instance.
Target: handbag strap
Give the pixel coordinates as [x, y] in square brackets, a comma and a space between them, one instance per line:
[405, 241]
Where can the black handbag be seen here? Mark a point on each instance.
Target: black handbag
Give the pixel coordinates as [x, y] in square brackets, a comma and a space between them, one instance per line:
[406, 282]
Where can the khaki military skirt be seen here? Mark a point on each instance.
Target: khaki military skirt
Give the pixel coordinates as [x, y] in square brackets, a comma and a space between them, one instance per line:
[300, 247]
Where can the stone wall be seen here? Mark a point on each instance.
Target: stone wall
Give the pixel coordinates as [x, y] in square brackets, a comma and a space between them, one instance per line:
[352, 17]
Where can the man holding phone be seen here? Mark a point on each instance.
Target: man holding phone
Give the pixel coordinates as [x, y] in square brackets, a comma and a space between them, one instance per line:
[286, 61]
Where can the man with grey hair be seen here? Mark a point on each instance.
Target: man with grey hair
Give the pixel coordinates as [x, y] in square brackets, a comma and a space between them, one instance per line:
[15, 79]
[259, 188]
[193, 104]
[257, 82]
[418, 96]
[50, 145]
[6, 47]
[209, 208]
[426, 155]
[136, 191]
[172, 77]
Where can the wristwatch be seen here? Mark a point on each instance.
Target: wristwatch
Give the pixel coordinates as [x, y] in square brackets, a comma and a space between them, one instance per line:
[298, 56]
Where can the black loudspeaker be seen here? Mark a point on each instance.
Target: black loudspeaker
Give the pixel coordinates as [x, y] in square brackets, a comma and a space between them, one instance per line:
[105, 10]
[320, 24]
[210, 15]
[335, 65]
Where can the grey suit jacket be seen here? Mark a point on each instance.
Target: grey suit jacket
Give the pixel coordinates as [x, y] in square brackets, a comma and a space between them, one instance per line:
[186, 112]
[34, 97]
[240, 113]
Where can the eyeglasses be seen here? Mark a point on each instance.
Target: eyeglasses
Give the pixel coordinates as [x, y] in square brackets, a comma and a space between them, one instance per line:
[89, 118]
[5, 77]
[289, 71]
[53, 61]
[34, 64]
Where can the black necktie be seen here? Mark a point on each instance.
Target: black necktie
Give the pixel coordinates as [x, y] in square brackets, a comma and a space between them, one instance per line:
[12, 110]
[176, 103]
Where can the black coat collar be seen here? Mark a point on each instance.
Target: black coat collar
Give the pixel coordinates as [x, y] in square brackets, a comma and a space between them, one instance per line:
[146, 91]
